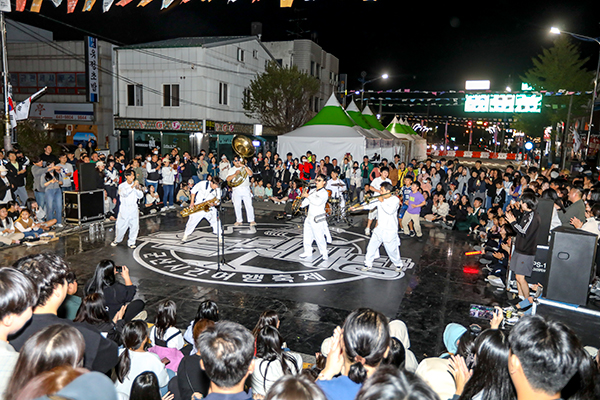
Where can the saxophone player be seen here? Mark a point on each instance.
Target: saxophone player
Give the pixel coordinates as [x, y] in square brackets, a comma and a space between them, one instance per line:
[201, 192]
[241, 193]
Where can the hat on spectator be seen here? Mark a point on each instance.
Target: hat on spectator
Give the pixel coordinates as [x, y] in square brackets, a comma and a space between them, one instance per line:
[223, 157]
[90, 386]
[452, 334]
[453, 183]
[326, 346]
[100, 164]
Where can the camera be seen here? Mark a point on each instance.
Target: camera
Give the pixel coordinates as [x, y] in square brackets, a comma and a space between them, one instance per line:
[119, 268]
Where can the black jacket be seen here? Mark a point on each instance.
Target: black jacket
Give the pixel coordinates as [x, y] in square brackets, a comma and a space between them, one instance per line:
[527, 233]
[16, 179]
[100, 354]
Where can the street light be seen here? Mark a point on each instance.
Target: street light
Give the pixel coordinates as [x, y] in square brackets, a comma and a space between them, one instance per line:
[364, 81]
[557, 31]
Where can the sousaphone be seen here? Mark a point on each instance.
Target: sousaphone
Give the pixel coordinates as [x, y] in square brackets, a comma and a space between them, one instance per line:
[243, 147]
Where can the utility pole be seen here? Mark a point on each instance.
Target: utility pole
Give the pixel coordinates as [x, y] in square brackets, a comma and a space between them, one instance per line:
[7, 126]
[566, 136]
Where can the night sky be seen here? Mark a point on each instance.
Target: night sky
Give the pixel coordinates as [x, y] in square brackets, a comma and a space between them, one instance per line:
[423, 45]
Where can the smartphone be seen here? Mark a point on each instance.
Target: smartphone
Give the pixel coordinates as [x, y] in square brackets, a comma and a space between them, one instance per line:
[119, 268]
[482, 312]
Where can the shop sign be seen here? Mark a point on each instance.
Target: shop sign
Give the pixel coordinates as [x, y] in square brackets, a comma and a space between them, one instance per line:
[63, 111]
[158, 125]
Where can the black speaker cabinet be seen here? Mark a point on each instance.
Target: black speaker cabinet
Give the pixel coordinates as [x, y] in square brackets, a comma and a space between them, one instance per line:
[544, 208]
[570, 265]
[83, 207]
[87, 176]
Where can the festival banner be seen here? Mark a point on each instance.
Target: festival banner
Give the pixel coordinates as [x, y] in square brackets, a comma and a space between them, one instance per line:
[144, 3]
[123, 3]
[35, 6]
[71, 4]
[87, 6]
[21, 5]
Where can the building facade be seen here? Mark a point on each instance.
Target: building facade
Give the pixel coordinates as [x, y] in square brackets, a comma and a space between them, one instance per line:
[186, 92]
[312, 59]
[36, 61]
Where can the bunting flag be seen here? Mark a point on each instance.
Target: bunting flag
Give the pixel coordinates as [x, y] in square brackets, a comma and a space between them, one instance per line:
[144, 3]
[166, 4]
[21, 5]
[286, 3]
[11, 113]
[71, 4]
[187, 1]
[56, 2]
[106, 4]
[5, 5]
[35, 6]
[123, 3]
[87, 6]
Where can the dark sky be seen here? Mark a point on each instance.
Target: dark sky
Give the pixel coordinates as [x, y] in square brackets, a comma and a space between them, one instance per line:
[441, 44]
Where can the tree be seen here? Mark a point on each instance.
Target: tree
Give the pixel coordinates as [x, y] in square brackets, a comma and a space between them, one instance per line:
[559, 68]
[280, 97]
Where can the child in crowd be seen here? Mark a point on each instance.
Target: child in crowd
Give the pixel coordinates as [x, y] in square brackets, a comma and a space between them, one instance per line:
[268, 192]
[25, 225]
[259, 191]
[278, 196]
[152, 203]
[414, 203]
[183, 196]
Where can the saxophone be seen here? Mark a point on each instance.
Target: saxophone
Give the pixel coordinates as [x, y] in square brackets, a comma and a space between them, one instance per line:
[204, 206]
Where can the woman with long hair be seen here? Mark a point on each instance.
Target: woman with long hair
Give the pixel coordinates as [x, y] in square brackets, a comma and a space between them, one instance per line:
[357, 350]
[208, 309]
[145, 387]
[49, 382]
[271, 362]
[135, 359]
[93, 312]
[164, 333]
[116, 295]
[488, 382]
[267, 318]
[53, 346]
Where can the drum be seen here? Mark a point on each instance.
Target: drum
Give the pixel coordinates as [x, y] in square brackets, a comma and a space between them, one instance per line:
[329, 192]
[328, 209]
[334, 200]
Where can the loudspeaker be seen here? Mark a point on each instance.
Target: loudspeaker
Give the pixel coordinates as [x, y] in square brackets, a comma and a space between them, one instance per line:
[545, 208]
[87, 176]
[570, 265]
[84, 206]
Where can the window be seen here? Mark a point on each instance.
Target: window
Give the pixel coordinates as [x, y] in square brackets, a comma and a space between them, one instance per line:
[255, 54]
[171, 95]
[134, 95]
[317, 102]
[240, 55]
[246, 98]
[318, 72]
[223, 98]
[312, 68]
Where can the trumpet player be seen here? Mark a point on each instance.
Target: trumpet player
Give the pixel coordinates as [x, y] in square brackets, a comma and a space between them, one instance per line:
[241, 193]
[386, 231]
[201, 192]
[129, 214]
[315, 224]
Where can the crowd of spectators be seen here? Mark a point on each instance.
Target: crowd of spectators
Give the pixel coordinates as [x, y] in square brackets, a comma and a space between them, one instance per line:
[108, 355]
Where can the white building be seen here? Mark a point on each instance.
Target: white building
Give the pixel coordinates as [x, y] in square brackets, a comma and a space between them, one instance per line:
[181, 92]
[35, 60]
[312, 59]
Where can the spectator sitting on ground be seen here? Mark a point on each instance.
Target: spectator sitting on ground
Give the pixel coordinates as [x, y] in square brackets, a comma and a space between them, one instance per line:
[50, 347]
[227, 352]
[357, 350]
[191, 379]
[388, 383]
[27, 226]
[116, 294]
[152, 203]
[145, 387]
[49, 272]
[208, 309]
[297, 387]
[8, 233]
[14, 210]
[183, 195]
[266, 318]
[50, 382]
[165, 333]
[39, 215]
[544, 358]
[399, 331]
[68, 309]
[17, 298]
[93, 313]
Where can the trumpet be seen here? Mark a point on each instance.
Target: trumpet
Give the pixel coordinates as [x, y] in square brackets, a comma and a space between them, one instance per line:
[369, 199]
[204, 206]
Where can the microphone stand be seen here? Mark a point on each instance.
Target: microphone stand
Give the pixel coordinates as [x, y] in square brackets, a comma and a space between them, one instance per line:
[221, 244]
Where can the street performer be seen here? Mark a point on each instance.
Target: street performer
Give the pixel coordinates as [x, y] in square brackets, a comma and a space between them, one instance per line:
[315, 224]
[241, 193]
[386, 231]
[201, 192]
[129, 213]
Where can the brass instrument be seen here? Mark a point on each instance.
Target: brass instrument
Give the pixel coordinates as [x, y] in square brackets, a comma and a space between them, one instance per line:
[243, 147]
[369, 199]
[298, 201]
[204, 206]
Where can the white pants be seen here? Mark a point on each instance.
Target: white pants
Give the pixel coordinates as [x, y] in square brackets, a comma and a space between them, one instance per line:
[317, 232]
[239, 195]
[128, 218]
[195, 218]
[390, 241]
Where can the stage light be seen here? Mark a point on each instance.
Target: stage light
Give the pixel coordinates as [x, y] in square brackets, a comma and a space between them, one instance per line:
[555, 31]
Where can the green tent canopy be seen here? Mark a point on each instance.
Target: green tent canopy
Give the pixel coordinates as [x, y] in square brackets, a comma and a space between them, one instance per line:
[331, 114]
[371, 119]
[357, 116]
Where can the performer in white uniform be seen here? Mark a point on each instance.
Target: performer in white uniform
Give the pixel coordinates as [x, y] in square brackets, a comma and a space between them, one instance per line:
[375, 187]
[315, 224]
[201, 192]
[386, 231]
[129, 213]
[241, 193]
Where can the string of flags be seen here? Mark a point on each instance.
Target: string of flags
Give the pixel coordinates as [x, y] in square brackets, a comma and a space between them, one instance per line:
[36, 5]
[561, 92]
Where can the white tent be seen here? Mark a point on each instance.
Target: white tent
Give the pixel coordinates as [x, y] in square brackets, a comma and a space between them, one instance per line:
[402, 130]
[331, 132]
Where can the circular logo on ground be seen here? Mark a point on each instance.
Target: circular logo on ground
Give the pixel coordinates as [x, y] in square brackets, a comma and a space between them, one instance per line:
[266, 255]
